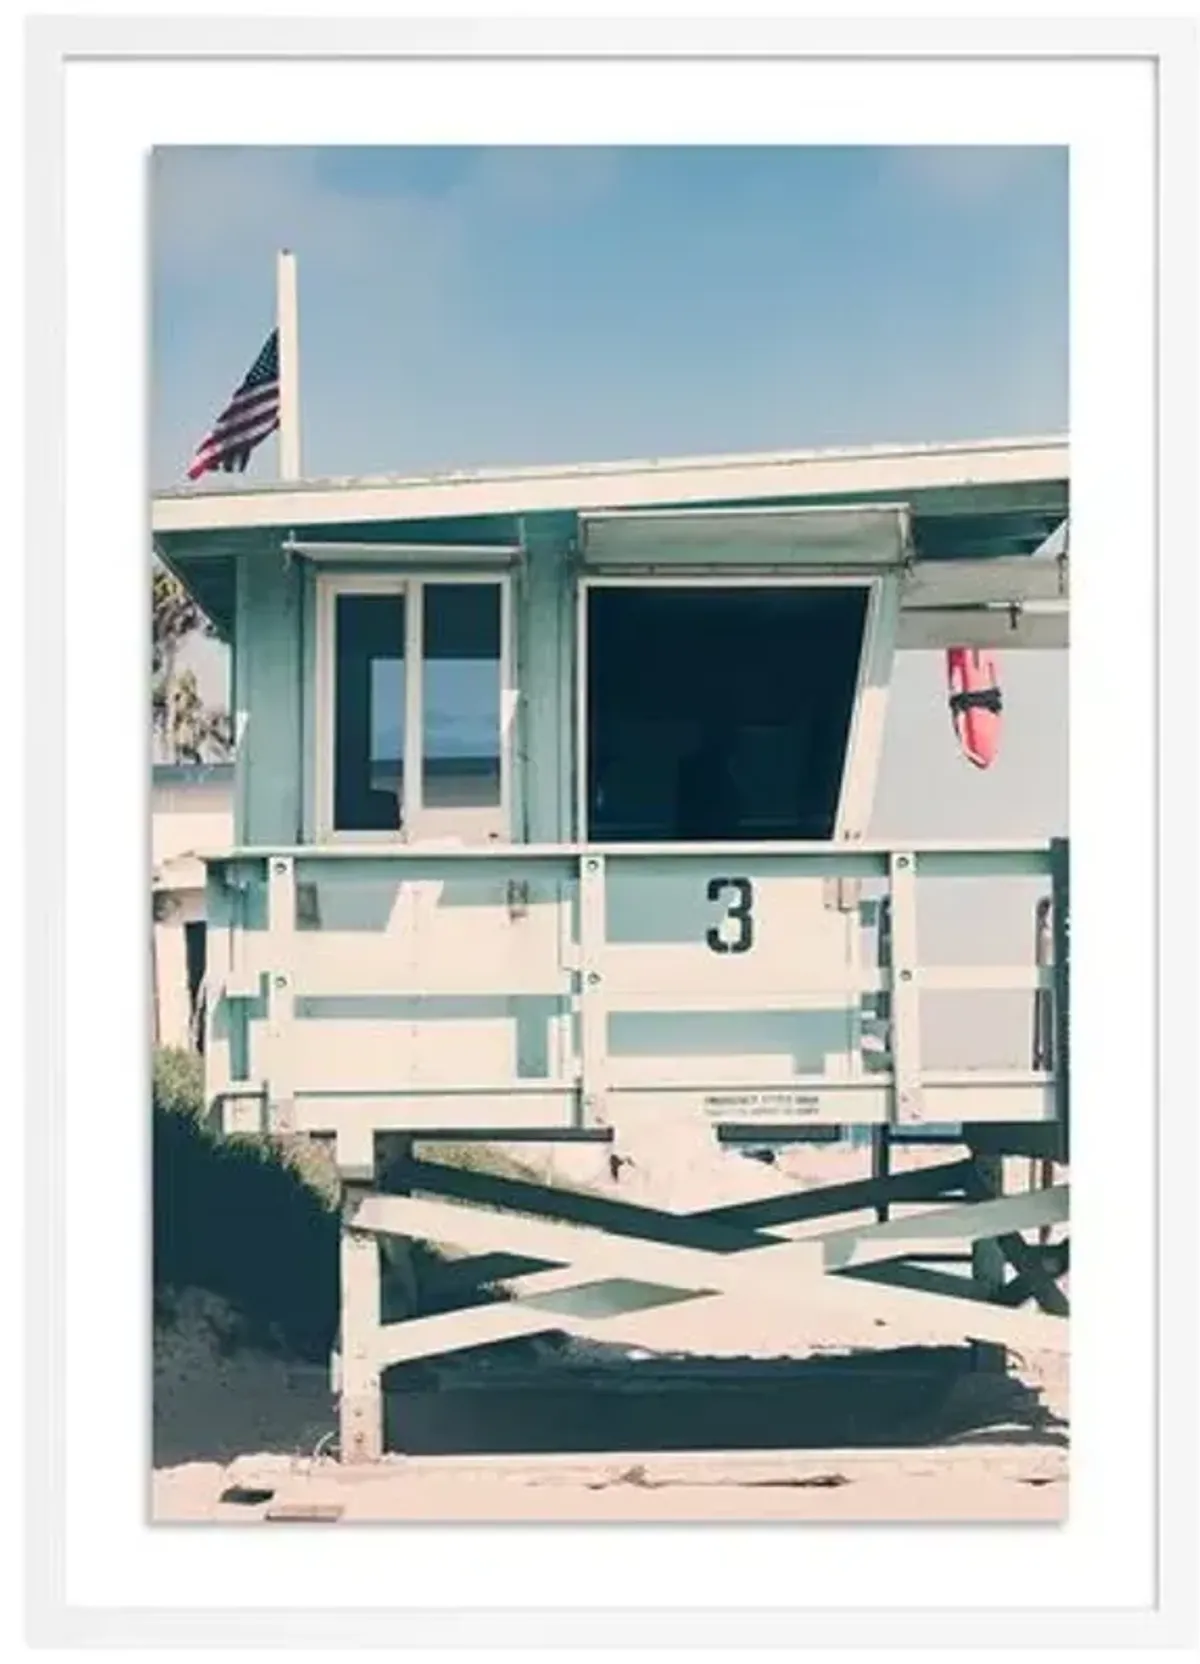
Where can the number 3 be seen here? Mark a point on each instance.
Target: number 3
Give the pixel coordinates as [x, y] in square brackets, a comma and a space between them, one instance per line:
[741, 911]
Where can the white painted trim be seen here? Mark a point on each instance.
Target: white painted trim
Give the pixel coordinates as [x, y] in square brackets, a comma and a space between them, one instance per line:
[864, 746]
[898, 470]
[411, 585]
[727, 579]
[322, 726]
[499, 555]
[1000, 581]
[1003, 857]
[996, 627]
[580, 714]
[412, 773]
[510, 713]
[550, 1106]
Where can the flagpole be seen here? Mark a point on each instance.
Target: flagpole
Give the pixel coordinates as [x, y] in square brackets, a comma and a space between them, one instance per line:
[289, 365]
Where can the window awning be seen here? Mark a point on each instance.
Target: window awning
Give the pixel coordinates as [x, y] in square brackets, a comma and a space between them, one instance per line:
[444, 556]
[993, 597]
[851, 538]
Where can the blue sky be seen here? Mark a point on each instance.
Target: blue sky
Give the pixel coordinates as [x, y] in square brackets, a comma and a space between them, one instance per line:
[474, 307]
[465, 308]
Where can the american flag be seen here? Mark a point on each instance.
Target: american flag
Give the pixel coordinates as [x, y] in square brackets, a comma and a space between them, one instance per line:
[251, 414]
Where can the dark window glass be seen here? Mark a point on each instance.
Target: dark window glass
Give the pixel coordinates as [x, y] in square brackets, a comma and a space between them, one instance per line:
[369, 714]
[719, 713]
[195, 942]
[460, 699]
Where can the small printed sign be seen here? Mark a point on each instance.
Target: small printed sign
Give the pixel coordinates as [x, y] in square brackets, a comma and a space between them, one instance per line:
[761, 1106]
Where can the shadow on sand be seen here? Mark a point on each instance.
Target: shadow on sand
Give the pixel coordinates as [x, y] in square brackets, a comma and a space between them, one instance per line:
[220, 1402]
[910, 1396]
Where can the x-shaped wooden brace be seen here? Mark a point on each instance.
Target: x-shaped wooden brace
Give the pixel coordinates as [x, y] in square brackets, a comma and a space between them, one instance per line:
[615, 1259]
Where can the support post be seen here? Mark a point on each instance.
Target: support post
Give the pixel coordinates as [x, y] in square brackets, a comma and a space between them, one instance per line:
[1061, 920]
[593, 995]
[1043, 998]
[1041, 1171]
[287, 321]
[360, 1409]
[905, 997]
[987, 1259]
[354, 1153]
[881, 1168]
[281, 998]
[881, 1137]
[399, 1293]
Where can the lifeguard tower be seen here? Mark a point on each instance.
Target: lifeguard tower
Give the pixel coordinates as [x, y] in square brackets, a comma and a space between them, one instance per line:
[551, 806]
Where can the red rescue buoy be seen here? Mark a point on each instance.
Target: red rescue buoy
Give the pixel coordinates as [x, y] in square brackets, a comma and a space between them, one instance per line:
[973, 680]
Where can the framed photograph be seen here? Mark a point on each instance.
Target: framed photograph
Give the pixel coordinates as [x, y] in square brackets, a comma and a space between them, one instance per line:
[600, 879]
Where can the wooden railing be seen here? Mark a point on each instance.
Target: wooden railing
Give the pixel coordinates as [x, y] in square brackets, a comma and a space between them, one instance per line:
[477, 990]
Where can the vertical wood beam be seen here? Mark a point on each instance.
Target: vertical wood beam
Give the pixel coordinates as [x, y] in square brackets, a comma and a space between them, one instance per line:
[360, 1406]
[1060, 875]
[217, 1062]
[907, 1103]
[281, 1002]
[988, 1264]
[593, 995]
[881, 1168]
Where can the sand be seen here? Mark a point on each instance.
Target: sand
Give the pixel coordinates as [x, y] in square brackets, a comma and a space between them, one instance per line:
[836, 1417]
[996, 1451]
[935, 1485]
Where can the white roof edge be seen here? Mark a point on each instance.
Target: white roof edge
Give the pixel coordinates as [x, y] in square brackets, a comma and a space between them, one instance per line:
[742, 512]
[606, 485]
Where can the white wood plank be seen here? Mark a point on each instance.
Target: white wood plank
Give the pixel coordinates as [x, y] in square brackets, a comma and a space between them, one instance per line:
[938, 1318]
[930, 628]
[778, 1278]
[915, 1233]
[485, 1110]
[905, 996]
[345, 963]
[432, 1337]
[594, 973]
[361, 1406]
[807, 990]
[766, 1273]
[1016, 578]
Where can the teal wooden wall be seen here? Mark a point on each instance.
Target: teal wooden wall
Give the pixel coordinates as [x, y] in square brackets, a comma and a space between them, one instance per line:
[274, 691]
[268, 659]
[545, 679]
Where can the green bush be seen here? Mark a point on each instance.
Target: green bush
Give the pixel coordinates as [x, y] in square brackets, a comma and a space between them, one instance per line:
[237, 1216]
[254, 1219]
[178, 1082]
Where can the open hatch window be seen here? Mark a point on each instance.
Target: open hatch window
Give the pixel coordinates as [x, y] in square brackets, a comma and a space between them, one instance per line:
[719, 712]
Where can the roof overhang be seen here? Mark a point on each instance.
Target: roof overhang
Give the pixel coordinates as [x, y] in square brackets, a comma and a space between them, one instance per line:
[889, 472]
[976, 516]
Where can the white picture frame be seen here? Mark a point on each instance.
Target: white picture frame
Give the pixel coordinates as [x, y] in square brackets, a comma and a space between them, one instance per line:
[1144, 632]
